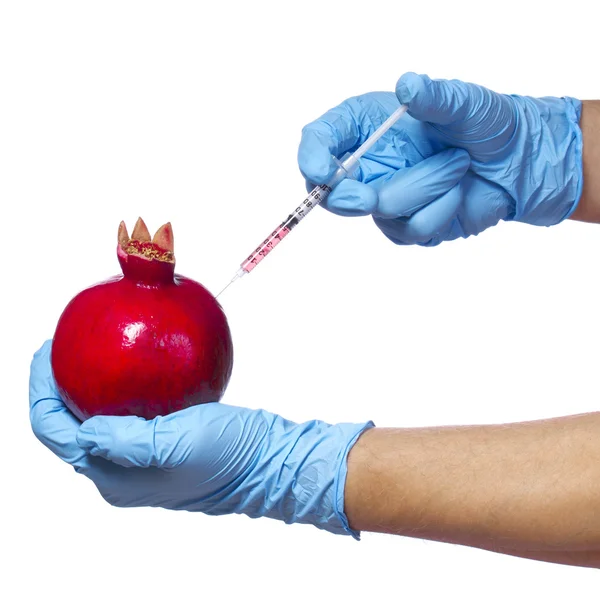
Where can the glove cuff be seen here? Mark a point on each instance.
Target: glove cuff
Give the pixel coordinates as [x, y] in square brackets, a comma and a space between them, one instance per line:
[340, 478]
[301, 474]
[550, 141]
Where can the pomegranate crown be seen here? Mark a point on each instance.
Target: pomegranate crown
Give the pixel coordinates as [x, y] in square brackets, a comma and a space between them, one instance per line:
[159, 247]
[143, 257]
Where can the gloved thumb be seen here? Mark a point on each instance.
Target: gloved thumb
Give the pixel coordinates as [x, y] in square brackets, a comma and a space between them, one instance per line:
[438, 101]
[133, 441]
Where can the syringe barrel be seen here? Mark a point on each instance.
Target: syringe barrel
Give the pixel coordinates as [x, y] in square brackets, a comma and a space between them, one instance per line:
[265, 248]
[316, 196]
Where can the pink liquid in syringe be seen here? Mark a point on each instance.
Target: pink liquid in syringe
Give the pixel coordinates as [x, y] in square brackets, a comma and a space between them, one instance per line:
[317, 195]
[265, 247]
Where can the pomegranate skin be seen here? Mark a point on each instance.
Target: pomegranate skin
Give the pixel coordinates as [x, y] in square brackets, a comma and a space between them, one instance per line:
[140, 344]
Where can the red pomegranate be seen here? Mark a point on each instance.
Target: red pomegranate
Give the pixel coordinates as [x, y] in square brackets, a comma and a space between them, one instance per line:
[148, 342]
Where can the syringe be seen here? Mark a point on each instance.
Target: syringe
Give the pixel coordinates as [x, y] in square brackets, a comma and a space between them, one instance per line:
[347, 166]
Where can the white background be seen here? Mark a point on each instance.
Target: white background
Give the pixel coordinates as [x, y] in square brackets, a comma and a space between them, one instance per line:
[191, 112]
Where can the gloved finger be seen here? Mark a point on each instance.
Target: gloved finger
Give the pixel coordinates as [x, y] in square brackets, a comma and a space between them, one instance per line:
[322, 139]
[315, 154]
[411, 189]
[485, 203]
[406, 192]
[135, 442]
[470, 115]
[437, 101]
[351, 198]
[51, 421]
[41, 380]
[427, 224]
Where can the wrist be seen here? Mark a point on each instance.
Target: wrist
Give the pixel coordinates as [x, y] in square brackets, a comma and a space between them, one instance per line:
[549, 139]
[300, 473]
[588, 207]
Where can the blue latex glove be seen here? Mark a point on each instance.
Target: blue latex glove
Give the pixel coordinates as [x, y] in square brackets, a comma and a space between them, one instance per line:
[213, 458]
[462, 159]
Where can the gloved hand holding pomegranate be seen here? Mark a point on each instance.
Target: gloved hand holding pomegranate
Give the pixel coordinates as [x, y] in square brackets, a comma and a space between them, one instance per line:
[213, 458]
[143, 392]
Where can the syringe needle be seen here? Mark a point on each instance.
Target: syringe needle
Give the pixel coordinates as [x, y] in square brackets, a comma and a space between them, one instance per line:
[225, 287]
[239, 274]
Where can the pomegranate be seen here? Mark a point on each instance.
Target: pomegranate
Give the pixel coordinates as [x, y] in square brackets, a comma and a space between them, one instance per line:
[148, 342]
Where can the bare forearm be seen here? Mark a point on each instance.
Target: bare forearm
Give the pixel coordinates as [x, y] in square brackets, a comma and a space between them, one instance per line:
[530, 489]
[588, 208]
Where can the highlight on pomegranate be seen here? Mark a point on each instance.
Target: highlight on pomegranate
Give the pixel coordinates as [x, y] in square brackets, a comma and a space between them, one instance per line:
[147, 342]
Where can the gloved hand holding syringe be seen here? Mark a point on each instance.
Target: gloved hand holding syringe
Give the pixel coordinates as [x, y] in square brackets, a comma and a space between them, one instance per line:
[347, 166]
